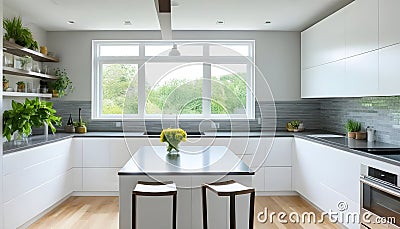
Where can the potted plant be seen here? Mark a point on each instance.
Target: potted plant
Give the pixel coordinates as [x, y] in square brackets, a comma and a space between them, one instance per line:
[5, 83]
[295, 126]
[352, 127]
[80, 126]
[173, 137]
[23, 116]
[63, 85]
[16, 32]
[21, 86]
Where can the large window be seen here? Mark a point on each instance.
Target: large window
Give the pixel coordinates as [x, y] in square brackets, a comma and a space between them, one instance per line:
[197, 79]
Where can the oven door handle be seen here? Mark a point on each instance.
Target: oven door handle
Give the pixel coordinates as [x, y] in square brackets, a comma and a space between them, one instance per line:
[381, 186]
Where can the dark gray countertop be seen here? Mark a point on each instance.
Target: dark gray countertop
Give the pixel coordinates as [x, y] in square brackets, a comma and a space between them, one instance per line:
[354, 146]
[191, 160]
[346, 144]
[34, 141]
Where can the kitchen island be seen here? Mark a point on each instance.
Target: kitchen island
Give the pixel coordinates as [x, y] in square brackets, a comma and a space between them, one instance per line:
[193, 166]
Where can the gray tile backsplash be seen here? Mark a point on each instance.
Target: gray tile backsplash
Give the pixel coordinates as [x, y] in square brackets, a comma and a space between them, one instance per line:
[383, 113]
[307, 111]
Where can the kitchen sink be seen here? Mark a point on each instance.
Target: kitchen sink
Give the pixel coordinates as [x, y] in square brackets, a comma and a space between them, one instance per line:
[189, 133]
[326, 135]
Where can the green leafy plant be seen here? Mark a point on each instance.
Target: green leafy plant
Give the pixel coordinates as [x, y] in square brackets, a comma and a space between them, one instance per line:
[63, 84]
[15, 30]
[80, 123]
[25, 61]
[352, 126]
[295, 124]
[33, 113]
[5, 80]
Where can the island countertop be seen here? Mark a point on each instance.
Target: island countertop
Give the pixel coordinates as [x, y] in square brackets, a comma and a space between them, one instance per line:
[191, 160]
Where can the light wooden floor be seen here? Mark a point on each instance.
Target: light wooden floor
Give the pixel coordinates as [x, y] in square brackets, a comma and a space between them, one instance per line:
[102, 212]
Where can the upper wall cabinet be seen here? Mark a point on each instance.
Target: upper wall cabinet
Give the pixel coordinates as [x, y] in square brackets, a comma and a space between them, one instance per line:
[389, 17]
[361, 27]
[370, 69]
[324, 42]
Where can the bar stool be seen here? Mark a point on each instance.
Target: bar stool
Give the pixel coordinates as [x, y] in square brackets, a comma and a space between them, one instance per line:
[144, 188]
[229, 188]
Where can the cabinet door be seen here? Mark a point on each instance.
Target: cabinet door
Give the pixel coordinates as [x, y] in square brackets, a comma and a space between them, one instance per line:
[280, 153]
[362, 75]
[100, 179]
[324, 81]
[324, 42]
[361, 27]
[389, 17]
[278, 179]
[259, 179]
[389, 70]
[105, 152]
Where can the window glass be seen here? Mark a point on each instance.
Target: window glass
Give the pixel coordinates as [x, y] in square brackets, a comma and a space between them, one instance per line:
[174, 88]
[228, 89]
[120, 89]
[119, 50]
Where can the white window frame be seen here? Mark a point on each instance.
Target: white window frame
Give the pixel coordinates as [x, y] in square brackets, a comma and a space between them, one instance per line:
[140, 60]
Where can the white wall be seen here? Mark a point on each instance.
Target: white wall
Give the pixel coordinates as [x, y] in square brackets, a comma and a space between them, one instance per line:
[277, 56]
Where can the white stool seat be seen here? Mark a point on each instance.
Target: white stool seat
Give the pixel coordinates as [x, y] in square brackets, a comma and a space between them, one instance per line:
[226, 188]
[144, 188]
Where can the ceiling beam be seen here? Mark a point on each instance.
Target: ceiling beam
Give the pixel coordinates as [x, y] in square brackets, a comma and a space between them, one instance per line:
[163, 8]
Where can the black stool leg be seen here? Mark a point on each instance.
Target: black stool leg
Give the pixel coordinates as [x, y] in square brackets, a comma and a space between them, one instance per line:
[232, 211]
[251, 214]
[174, 211]
[204, 199]
[133, 211]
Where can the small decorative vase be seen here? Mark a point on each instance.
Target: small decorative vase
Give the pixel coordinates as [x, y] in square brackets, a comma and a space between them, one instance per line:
[55, 93]
[5, 86]
[80, 129]
[173, 146]
[20, 138]
[69, 129]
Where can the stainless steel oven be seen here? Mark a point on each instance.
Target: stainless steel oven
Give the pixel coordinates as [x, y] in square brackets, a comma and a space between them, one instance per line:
[380, 198]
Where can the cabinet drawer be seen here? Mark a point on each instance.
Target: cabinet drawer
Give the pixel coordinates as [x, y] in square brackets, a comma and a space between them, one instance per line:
[278, 179]
[105, 153]
[100, 179]
[280, 153]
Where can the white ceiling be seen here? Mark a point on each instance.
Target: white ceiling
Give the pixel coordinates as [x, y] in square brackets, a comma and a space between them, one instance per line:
[285, 15]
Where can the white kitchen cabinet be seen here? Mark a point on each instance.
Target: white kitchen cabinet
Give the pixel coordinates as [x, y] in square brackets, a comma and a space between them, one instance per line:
[361, 26]
[326, 176]
[278, 179]
[105, 152]
[389, 70]
[362, 76]
[100, 179]
[259, 179]
[324, 81]
[389, 31]
[40, 176]
[280, 153]
[324, 42]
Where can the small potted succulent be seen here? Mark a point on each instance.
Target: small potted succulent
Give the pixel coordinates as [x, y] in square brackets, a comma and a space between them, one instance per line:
[5, 83]
[173, 137]
[80, 126]
[21, 86]
[295, 126]
[352, 127]
[63, 85]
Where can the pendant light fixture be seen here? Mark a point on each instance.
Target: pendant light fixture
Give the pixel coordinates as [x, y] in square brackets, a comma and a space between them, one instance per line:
[174, 51]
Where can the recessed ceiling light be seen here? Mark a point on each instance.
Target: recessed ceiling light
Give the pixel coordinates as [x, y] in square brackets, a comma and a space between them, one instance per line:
[220, 22]
[267, 22]
[127, 23]
[71, 22]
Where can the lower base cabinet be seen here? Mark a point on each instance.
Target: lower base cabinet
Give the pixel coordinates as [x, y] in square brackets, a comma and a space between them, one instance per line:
[36, 179]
